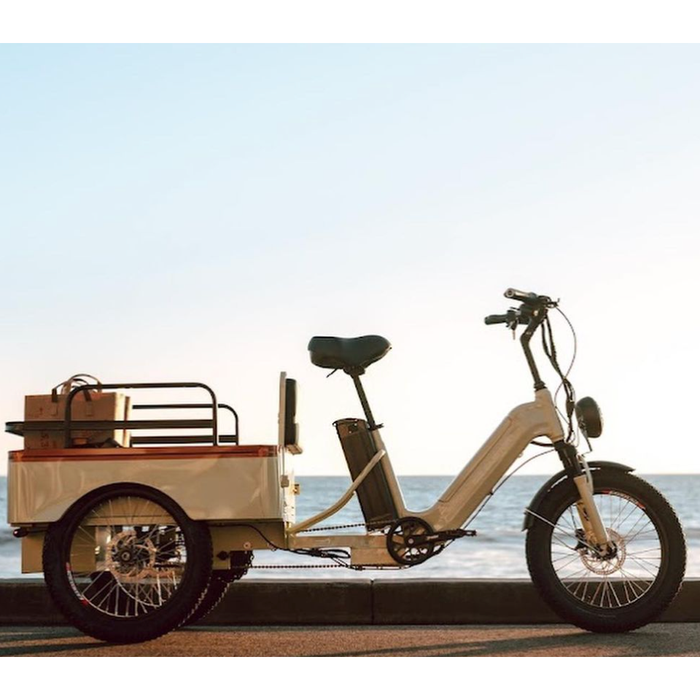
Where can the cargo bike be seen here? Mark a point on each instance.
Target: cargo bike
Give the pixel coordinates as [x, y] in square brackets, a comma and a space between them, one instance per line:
[137, 533]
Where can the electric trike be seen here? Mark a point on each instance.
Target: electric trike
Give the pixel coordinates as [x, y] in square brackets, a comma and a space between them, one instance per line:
[139, 533]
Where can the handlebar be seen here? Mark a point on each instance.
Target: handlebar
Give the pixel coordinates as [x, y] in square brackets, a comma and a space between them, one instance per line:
[522, 316]
[516, 294]
[533, 312]
[493, 319]
[511, 318]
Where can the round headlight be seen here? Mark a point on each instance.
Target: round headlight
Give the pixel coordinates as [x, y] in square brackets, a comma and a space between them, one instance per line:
[589, 417]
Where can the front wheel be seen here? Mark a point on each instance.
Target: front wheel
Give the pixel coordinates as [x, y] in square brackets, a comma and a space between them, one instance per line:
[625, 588]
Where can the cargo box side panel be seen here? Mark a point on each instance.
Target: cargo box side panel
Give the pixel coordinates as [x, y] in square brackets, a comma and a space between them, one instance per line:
[207, 488]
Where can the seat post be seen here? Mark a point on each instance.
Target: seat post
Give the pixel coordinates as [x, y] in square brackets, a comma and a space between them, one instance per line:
[363, 398]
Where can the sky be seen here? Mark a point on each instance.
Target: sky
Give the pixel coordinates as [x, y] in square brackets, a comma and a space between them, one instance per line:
[198, 212]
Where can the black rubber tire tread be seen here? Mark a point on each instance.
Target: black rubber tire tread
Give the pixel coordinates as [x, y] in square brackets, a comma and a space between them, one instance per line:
[92, 622]
[219, 585]
[662, 591]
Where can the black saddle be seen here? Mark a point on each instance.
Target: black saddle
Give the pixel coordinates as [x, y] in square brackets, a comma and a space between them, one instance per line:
[348, 353]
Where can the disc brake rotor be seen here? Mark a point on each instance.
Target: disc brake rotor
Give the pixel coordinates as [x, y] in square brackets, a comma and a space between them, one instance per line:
[131, 557]
[605, 566]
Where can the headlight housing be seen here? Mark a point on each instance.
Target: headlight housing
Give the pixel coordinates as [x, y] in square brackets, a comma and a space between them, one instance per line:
[589, 417]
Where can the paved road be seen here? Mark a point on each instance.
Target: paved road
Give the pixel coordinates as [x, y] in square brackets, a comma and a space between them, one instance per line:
[669, 639]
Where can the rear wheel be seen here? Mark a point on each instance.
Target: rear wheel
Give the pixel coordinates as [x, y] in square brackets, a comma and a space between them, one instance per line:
[219, 585]
[126, 564]
[620, 589]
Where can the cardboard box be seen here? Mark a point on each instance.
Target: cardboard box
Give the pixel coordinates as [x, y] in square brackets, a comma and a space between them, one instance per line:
[100, 406]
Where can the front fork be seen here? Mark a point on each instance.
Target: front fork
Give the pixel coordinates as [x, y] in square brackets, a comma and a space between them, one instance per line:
[593, 526]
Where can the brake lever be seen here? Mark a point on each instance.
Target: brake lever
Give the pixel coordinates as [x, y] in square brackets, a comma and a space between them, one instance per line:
[512, 320]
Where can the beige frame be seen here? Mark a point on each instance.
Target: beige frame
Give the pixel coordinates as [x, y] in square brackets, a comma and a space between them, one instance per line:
[467, 491]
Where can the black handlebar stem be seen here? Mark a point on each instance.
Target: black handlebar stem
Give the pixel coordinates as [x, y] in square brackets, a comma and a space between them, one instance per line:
[536, 319]
[532, 312]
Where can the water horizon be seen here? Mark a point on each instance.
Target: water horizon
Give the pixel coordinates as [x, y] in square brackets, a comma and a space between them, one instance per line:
[498, 550]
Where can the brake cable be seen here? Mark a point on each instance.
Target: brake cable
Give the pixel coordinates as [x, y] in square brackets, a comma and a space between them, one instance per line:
[550, 351]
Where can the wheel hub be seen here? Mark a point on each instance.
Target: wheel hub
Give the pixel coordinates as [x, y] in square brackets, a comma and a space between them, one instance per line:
[605, 563]
[131, 557]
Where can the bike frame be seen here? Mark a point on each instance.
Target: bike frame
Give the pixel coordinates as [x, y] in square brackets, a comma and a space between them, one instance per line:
[469, 488]
[476, 481]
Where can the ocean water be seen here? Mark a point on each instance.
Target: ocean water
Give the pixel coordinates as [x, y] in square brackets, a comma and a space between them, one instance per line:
[498, 551]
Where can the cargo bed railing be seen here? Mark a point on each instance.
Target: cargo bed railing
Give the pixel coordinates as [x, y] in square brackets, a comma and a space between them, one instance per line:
[68, 425]
[184, 439]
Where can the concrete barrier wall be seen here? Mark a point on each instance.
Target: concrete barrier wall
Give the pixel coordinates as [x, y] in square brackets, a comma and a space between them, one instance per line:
[353, 602]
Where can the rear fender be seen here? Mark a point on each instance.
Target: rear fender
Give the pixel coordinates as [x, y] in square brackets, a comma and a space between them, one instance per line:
[560, 476]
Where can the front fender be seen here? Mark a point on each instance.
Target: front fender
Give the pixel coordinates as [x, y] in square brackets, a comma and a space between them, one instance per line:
[560, 476]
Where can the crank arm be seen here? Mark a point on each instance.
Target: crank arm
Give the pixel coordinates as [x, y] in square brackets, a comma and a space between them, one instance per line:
[442, 536]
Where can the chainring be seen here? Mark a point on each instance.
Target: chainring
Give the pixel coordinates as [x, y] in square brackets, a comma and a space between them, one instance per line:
[404, 541]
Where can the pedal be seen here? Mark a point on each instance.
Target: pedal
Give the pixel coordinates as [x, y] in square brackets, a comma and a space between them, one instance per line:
[456, 534]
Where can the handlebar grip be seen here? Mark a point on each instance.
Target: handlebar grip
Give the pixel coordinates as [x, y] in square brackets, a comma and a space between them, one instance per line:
[495, 318]
[516, 294]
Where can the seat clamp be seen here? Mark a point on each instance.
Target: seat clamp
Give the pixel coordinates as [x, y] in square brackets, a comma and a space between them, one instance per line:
[354, 371]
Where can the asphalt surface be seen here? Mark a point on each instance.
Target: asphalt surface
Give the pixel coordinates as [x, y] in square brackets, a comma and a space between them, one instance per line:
[665, 639]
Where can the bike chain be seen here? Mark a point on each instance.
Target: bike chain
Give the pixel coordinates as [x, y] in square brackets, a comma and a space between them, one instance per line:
[378, 526]
[375, 526]
[314, 566]
[298, 566]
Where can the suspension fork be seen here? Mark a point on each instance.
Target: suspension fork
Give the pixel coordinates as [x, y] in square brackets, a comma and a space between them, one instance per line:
[577, 469]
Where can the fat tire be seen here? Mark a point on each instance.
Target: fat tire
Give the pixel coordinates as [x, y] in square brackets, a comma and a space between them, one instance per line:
[219, 585]
[660, 594]
[93, 622]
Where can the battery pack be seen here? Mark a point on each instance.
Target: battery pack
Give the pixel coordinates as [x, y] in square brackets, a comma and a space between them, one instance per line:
[375, 498]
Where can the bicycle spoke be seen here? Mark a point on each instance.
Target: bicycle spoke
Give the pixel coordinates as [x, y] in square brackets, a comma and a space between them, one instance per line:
[131, 549]
[611, 578]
